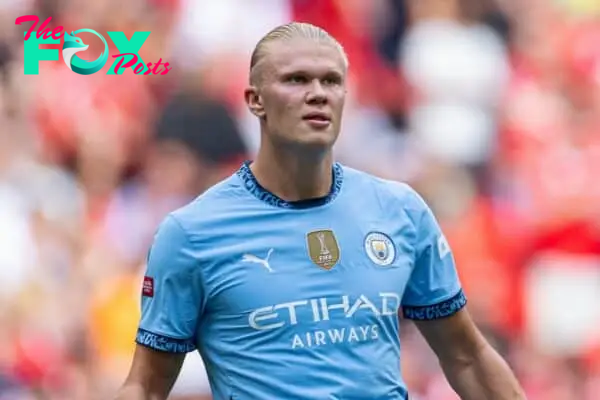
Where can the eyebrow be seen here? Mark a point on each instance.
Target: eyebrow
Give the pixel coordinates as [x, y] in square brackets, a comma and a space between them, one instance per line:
[305, 71]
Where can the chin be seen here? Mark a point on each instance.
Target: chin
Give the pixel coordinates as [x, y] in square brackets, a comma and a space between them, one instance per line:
[316, 140]
[309, 139]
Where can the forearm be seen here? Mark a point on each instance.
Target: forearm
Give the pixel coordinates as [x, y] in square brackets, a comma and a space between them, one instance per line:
[485, 376]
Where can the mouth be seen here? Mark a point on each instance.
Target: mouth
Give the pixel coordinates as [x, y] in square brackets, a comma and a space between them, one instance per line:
[317, 119]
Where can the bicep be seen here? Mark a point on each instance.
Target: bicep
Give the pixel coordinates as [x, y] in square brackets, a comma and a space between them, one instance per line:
[154, 371]
[454, 339]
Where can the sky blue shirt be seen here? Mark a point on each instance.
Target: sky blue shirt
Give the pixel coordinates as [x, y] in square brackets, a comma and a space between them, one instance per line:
[298, 300]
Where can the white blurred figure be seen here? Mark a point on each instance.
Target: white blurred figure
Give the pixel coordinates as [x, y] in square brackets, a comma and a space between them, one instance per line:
[208, 29]
[17, 245]
[459, 71]
[39, 207]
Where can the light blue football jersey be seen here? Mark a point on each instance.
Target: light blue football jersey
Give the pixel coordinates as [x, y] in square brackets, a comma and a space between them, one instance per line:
[298, 300]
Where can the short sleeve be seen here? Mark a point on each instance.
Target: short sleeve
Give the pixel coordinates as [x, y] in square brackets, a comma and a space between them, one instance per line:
[172, 293]
[433, 290]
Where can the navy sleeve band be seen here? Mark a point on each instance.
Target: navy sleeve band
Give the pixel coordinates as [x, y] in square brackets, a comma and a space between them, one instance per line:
[440, 310]
[163, 343]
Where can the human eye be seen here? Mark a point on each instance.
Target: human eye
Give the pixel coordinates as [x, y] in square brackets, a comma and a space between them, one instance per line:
[296, 79]
[332, 80]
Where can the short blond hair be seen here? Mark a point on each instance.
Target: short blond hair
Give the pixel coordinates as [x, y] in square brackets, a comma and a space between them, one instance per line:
[289, 31]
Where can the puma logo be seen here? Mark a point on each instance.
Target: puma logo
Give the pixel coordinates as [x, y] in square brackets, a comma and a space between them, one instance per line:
[254, 259]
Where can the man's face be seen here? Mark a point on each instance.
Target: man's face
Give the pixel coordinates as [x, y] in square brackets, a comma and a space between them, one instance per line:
[300, 92]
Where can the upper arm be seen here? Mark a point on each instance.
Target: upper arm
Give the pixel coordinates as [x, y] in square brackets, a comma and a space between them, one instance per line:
[433, 290]
[172, 304]
[174, 296]
[434, 298]
[153, 373]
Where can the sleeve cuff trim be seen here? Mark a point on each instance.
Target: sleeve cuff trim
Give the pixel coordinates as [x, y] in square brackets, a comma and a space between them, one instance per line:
[443, 309]
[164, 343]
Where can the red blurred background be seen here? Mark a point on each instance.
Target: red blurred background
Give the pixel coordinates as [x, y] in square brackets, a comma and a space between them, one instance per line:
[490, 109]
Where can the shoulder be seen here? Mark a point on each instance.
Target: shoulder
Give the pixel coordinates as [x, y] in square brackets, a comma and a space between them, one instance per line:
[209, 208]
[390, 194]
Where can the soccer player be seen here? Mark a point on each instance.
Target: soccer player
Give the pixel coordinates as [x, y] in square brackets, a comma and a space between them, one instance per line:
[288, 277]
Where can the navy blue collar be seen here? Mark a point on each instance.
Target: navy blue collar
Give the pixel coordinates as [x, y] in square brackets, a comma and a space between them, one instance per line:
[250, 182]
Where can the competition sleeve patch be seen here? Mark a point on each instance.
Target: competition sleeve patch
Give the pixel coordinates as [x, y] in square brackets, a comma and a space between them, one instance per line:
[163, 343]
[442, 309]
[148, 287]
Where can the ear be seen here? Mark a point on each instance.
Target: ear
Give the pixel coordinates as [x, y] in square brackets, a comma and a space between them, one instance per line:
[254, 101]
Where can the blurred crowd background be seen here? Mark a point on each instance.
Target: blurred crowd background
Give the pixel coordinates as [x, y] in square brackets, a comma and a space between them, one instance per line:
[489, 108]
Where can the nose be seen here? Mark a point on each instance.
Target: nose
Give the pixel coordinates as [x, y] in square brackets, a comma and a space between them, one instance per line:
[316, 94]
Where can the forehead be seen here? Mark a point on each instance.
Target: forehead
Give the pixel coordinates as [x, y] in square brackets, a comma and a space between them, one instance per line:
[299, 54]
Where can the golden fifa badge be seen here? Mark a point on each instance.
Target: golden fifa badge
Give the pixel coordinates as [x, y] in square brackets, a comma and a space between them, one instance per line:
[323, 248]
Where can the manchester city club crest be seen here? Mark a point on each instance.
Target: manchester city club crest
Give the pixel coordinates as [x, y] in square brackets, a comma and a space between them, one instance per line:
[380, 248]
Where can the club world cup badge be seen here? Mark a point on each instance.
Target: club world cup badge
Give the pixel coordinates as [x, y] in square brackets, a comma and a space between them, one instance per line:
[323, 248]
[380, 248]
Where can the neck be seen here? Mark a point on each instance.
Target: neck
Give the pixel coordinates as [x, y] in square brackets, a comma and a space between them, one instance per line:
[291, 176]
